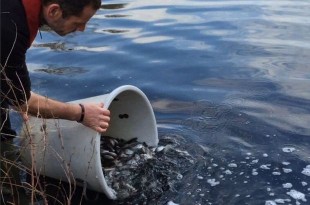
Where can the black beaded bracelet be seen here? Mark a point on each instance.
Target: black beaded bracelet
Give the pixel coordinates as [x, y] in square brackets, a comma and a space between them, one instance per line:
[82, 113]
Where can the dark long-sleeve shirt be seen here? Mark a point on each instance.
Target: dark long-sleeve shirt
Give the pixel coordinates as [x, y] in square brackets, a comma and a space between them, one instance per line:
[15, 82]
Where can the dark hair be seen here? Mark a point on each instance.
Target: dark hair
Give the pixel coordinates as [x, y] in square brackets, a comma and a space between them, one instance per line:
[73, 7]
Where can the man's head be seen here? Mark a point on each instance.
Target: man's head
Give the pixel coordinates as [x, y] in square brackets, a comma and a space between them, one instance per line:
[67, 16]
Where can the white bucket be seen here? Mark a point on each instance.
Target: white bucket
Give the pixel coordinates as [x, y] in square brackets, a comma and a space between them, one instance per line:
[68, 150]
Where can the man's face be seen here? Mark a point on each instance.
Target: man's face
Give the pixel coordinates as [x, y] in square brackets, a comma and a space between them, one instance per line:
[63, 26]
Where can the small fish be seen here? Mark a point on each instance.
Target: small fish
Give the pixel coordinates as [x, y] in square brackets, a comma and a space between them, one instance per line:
[108, 157]
[128, 152]
[160, 148]
[105, 152]
[135, 170]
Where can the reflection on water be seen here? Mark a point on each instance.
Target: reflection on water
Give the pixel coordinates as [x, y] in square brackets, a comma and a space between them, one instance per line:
[53, 46]
[228, 76]
[61, 71]
[114, 31]
[112, 6]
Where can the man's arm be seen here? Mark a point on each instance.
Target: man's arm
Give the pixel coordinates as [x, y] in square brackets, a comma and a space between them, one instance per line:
[95, 117]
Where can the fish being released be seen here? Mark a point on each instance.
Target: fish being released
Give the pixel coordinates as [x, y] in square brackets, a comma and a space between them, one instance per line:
[138, 172]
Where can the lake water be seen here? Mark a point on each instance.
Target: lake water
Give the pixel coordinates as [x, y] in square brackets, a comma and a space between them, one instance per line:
[230, 77]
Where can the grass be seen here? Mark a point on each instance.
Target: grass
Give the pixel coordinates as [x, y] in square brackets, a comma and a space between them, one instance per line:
[22, 184]
[33, 188]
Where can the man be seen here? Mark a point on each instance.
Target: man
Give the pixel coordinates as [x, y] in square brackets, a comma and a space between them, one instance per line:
[20, 20]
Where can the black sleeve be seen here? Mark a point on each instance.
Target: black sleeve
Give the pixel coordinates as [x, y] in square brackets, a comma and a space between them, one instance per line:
[15, 82]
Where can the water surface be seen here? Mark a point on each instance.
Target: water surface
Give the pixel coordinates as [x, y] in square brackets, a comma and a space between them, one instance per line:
[231, 77]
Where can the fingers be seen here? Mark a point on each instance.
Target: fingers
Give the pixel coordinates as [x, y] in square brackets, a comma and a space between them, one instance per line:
[25, 117]
[100, 130]
[106, 112]
[105, 116]
[104, 120]
[104, 123]
[103, 127]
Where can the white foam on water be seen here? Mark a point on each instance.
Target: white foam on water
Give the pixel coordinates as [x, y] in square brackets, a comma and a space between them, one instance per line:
[287, 185]
[306, 171]
[171, 203]
[297, 195]
[199, 177]
[304, 183]
[288, 149]
[269, 202]
[286, 163]
[285, 170]
[276, 173]
[213, 182]
[232, 165]
[282, 201]
[265, 166]
[265, 155]
[228, 172]
[254, 172]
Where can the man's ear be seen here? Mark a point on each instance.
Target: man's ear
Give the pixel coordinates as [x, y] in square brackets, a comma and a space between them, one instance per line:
[54, 11]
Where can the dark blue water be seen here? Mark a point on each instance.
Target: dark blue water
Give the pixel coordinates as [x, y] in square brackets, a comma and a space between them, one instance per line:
[231, 77]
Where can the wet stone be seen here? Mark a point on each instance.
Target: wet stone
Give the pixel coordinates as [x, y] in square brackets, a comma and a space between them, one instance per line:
[138, 172]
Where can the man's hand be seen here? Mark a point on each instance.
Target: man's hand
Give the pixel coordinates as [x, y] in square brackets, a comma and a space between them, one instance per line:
[96, 117]
[24, 116]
